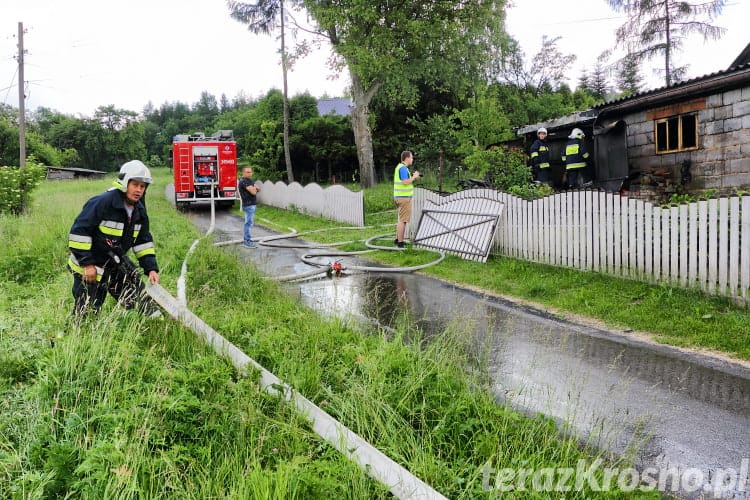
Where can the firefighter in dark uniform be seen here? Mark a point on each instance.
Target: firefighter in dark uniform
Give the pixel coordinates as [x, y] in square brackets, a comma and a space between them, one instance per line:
[575, 158]
[539, 153]
[108, 226]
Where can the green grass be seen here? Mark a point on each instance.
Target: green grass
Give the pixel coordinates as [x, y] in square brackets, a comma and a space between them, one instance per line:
[119, 406]
[670, 315]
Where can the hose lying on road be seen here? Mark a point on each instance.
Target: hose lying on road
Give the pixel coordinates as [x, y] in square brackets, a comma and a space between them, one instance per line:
[336, 267]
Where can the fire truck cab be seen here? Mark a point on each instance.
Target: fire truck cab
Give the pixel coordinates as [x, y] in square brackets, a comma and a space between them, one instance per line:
[205, 168]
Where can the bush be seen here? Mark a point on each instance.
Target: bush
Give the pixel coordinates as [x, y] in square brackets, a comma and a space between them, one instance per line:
[506, 169]
[16, 185]
[531, 191]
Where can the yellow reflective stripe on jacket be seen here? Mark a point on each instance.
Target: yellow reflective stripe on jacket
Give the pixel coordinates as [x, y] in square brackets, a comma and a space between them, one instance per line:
[573, 166]
[79, 242]
[535, 154]
[144, 249]
[400, 189]
[544, 165]
[136, 230]
[111, 227]
[77, 268]
[574, 150]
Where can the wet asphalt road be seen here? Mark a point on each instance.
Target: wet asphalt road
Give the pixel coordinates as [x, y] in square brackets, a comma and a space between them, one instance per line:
[680, 411]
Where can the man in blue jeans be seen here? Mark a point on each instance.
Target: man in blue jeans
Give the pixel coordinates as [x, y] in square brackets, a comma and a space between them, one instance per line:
[248, 191]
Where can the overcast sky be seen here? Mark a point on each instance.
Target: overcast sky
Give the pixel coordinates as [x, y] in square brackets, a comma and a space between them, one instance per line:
[82, 54]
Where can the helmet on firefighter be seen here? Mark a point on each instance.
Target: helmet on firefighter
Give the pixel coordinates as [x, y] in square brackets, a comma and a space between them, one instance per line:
[577, 133]
[541, 131]
[133, 170]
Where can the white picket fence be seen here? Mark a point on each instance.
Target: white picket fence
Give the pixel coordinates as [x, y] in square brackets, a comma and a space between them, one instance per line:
[334, 202]
[704, 244]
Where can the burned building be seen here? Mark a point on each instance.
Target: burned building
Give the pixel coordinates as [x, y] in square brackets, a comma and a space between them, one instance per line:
[690, 137]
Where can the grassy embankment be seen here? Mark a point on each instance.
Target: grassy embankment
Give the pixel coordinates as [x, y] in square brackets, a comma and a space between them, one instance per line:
[666, 314]
[121, 406]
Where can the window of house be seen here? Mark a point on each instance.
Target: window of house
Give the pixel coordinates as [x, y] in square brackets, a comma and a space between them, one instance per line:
[676, 133]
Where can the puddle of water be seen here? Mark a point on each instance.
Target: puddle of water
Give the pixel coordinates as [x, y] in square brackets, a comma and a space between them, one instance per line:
[613, 394]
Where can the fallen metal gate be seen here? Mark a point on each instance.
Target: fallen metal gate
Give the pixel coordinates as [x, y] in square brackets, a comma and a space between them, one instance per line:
[464, 227]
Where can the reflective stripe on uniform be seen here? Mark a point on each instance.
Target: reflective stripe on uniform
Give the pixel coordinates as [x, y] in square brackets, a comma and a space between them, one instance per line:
[77, 268]
[79, 242]
[574, 150]
[111, 227]
[144, 249]
[573, 166]
[544, 165]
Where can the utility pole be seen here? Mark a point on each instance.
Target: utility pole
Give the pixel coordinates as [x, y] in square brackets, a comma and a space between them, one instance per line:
[21, 99]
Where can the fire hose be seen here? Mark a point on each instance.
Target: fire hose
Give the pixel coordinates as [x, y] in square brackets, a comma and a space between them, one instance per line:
[335, 268]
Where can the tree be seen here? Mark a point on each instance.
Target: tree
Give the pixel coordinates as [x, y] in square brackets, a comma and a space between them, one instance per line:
[659, 27]
[482, 124]
[327, 140]
[259, 134]
[583, 81]
[207, 109]
[389, 46]
[628, 76]
[547, 69]
[261, 17]
[598, 85]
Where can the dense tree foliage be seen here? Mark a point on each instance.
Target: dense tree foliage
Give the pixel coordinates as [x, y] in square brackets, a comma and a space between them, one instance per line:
[391, 47]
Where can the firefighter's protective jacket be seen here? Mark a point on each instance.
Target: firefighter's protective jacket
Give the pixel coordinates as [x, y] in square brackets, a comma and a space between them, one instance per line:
[575, 155]
[539, 154]
[103, 224]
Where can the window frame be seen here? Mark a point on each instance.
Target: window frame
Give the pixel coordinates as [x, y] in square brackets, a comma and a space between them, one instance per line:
[680, 119]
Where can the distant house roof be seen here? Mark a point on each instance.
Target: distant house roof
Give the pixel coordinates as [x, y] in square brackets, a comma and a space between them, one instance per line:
[71, 172]
[341, 107]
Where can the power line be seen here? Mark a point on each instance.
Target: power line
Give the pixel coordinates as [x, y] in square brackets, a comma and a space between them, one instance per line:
[12, 85]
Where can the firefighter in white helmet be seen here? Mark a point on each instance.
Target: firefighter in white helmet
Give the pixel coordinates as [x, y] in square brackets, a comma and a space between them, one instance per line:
[539, 154]
[575, 158]
[109, 225]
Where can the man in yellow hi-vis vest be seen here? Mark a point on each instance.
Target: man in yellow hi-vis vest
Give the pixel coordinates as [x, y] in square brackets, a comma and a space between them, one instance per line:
[403, 191]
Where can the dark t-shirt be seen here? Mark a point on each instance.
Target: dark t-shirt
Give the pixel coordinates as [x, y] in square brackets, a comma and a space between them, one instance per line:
[245, 196]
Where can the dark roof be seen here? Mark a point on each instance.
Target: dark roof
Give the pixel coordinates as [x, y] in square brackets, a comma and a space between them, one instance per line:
[562, 122]
[743, 58]
[712, 83]
[341, 107]
[79, 170]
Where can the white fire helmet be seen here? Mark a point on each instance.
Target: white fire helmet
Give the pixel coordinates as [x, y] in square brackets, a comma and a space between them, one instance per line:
[576, 133]
[133, 170]
[541, 131]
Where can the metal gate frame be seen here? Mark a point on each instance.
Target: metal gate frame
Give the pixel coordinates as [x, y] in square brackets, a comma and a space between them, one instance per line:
[460, 231]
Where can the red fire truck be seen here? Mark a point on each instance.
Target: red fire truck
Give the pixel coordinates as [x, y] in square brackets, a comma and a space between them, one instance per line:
[204, 164]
